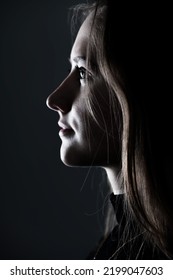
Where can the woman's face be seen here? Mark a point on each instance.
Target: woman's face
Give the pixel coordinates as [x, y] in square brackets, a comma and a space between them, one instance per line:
[82, 144]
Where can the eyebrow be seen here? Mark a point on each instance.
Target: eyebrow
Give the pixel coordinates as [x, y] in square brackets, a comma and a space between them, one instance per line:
[78, 58]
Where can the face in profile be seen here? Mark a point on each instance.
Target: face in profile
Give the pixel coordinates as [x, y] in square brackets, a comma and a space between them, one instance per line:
[84, 142]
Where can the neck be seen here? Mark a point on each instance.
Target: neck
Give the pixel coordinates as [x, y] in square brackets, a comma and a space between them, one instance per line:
[114, 180]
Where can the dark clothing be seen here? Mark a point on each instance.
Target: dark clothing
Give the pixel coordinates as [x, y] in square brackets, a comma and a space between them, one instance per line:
[136, 248]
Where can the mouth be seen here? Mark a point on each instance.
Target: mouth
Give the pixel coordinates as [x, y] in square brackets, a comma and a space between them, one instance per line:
[65, 130]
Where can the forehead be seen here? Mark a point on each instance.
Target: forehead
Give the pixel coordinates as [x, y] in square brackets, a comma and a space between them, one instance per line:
[80, 44]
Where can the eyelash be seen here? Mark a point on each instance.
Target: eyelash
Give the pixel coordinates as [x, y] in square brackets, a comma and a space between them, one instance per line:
[82, 71]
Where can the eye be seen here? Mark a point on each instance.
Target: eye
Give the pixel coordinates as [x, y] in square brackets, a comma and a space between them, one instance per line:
[82, 72]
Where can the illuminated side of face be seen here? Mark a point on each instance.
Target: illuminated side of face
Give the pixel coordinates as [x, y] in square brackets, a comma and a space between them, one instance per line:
[82, 145]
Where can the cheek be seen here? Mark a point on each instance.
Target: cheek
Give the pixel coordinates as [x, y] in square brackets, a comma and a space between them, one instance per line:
[93, 138]
[88, 128]
[105, 109]
[98, 105]
[104, 124]
[92, 143]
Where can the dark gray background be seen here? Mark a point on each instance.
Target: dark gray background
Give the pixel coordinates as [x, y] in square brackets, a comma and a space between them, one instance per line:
[47, 210]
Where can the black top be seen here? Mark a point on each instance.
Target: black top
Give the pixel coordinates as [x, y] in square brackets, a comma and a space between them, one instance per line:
[136, 248]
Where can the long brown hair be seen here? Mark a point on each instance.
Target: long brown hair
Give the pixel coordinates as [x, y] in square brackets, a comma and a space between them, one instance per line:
[119, 36]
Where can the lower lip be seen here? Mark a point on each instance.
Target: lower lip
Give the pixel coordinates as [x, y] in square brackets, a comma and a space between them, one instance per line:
[65, 132]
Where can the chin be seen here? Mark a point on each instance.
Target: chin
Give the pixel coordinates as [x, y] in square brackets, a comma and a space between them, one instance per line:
[72, 158]
[74, 162]
[83, 156]
[80, 160]
[76, 159]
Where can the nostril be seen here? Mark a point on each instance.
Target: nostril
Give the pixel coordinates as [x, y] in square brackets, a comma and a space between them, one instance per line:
[61, 98]
[50, 103]
[58, 104]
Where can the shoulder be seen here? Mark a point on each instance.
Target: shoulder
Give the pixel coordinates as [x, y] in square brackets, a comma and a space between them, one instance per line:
[116, 246]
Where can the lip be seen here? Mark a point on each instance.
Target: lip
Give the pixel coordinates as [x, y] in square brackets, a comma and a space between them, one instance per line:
[64, 126]
[65, 129]
[65, 132]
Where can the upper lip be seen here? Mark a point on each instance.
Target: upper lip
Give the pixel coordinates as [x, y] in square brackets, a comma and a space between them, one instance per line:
[63, 125]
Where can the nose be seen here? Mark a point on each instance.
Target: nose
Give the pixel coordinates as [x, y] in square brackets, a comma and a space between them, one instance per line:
[61, 99]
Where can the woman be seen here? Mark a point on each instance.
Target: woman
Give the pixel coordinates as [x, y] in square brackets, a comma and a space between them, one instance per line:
[112, 114]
